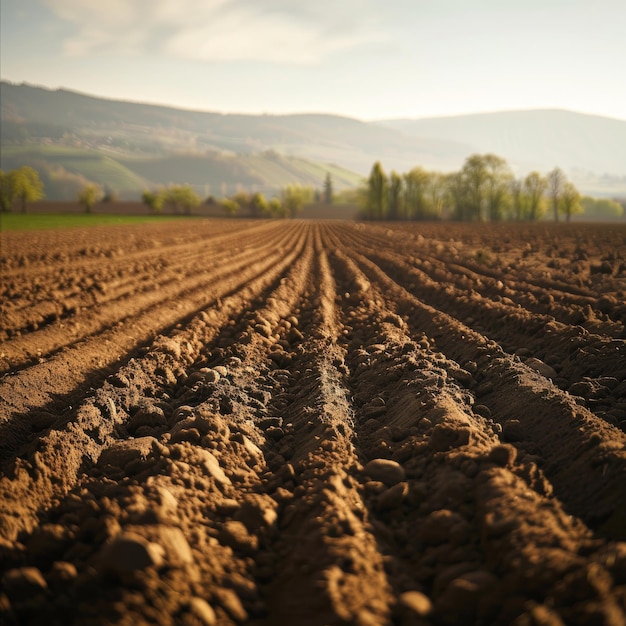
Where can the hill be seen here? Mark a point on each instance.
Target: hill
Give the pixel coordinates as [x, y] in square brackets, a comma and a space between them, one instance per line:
[64, 170]
[537, 139]
[128, 146]
[30, 113]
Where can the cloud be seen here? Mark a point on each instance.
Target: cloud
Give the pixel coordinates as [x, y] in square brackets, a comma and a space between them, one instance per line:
[220, 30]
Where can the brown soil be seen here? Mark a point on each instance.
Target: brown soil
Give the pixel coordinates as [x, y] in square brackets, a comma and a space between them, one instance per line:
[221, 422]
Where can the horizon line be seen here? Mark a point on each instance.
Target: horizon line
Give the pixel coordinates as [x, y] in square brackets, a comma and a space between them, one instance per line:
[304, 113]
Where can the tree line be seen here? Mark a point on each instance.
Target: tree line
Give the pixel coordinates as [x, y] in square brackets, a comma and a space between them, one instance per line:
[484, 189]
[182, 199]
[20, 186]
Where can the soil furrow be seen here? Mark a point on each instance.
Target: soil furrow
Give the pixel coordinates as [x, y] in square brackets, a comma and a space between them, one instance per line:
[445, 527]
[574, 359]
[569, 439]
[88, 357]
[341, 424]
[99, 416]
[17, 353]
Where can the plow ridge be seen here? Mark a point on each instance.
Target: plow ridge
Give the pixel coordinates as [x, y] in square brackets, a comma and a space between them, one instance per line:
[313, 423]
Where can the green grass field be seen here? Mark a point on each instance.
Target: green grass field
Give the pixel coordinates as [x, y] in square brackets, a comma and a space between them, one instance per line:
[44, 221]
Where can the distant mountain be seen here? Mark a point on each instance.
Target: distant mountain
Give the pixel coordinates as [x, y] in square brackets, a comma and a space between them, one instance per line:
[529, 140]
[128, 146]
[34, 112]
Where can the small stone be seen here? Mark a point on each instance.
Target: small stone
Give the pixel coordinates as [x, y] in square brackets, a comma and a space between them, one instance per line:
[512, 430]
[415, 603]
[541, 368]
[437, 527]
[122, 452]
[166, 502]
[235, 535]
[63, 572]
[252, 449]
[173, 542]
[211, 376]
[461, 375]
[23, 582]
[385, 470]
[583, 388]
[228, 506]
[203, 611]
[482, 410]
[129, 552]
[503, 455]
[393, 497]
[231, 603]
[212, 467]
[151, 416]
[275, 432]
[181, 413]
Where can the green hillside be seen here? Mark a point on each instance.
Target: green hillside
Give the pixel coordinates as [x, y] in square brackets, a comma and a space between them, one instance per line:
[220, 174]
[65, 170]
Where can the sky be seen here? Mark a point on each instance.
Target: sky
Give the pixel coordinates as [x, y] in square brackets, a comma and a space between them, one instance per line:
[368, 59]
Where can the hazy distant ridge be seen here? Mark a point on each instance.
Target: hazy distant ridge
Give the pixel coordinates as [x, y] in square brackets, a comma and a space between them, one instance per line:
[533, 139]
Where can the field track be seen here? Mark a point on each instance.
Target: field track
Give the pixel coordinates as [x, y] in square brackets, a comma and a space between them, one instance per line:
[313, 423]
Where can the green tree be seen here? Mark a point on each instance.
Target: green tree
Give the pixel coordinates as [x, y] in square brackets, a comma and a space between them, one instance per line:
[22, 184]
[556, 185]
[243, 199]
[276, 208]
[328, 189]
[602, 208]
[181, 197]
[394, 202]
[89, 195]
[153, 200]
[436, 194]
[230, 205]
[259, 206]
[376, 196]
[294, 197]
[534, 188]
[497, 183]
[569, 200]
[516, 188]
[416, 185]
[6, 193]
[456, 194]
[476, 174]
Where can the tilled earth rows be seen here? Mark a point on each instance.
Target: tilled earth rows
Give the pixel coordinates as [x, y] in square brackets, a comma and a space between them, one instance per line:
[313, 423]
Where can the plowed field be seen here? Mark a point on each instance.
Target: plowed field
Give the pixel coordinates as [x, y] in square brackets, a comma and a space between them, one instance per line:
[302, 423]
